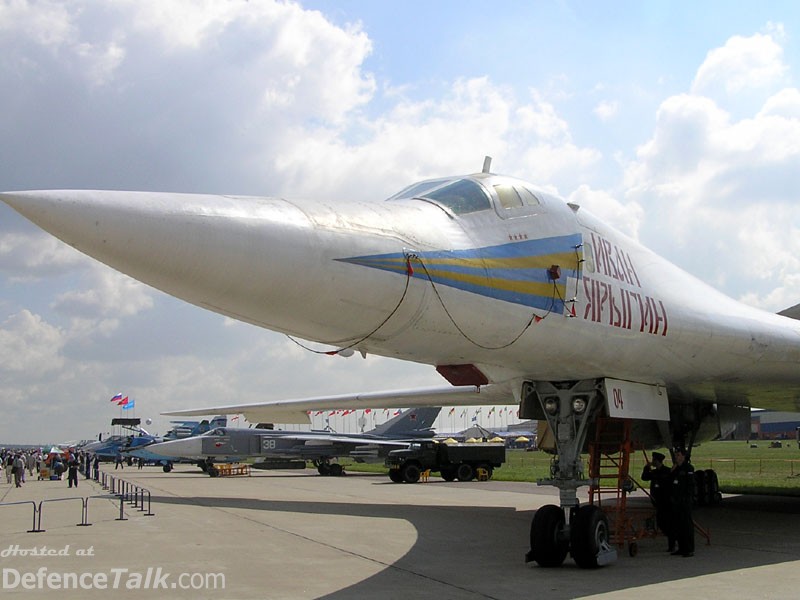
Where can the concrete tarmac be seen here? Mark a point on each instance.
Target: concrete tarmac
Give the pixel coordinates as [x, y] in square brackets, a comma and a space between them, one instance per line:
[295, 535]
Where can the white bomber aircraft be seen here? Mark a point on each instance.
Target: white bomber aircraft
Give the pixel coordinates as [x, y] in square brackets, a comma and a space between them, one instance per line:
[511, 293]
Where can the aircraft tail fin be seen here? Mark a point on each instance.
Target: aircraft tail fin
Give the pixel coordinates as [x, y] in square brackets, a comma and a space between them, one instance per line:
[204, 425]
[793, 312]
[412, 420]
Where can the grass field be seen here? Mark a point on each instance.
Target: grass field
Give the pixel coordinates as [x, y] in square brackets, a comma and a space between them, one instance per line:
[741, 469]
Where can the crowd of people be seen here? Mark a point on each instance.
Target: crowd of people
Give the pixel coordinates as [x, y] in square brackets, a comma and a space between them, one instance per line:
[21, 464]
[17, 462]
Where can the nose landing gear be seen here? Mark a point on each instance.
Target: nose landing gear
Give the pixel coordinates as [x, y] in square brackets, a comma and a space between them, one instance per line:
[581, 531]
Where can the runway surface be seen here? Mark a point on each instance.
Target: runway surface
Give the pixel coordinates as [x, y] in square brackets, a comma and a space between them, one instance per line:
[294, 534]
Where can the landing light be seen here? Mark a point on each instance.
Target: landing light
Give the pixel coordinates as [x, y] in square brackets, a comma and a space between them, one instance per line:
[579, 406]
[551, 405]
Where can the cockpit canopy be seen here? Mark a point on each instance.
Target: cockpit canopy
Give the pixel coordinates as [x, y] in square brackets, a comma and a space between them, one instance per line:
[463, 195]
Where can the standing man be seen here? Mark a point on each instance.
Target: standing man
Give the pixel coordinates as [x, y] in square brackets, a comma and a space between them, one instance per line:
[682, 499]
[19, 470]
[9, 465]
[660, 477]
[30, 462]
[72, 472]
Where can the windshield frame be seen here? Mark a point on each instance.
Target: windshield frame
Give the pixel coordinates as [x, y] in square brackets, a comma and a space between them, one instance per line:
[457, 195]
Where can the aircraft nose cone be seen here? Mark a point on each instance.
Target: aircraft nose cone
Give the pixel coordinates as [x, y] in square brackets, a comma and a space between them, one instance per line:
[34, 206]
[178, 448]
[263, 260]
[202, 248]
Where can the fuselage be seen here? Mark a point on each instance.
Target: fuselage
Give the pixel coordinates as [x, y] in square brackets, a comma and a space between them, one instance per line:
[482, 270]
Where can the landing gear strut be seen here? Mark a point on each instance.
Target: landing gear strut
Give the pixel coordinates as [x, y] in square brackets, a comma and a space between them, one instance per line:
[568, 408]
[326, 467]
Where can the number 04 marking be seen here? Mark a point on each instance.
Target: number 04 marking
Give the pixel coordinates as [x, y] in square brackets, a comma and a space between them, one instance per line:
[617, 396]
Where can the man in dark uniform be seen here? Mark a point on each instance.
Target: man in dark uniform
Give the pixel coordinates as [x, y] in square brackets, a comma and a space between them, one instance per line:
[660, 477]
[72, 471]
[682, 499]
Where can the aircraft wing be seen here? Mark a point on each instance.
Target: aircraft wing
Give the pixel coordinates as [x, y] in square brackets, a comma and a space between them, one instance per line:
[296, 411]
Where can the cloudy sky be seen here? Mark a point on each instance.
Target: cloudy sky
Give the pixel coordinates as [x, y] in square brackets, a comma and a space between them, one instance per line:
[678, 122]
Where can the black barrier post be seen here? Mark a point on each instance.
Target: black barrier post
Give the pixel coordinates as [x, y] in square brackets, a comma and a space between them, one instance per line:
[38, 527]
[85, 514]
[121, 507]
[35, 528]
[149, 512]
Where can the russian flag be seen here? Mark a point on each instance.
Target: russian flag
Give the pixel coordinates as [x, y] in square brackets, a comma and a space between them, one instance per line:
[116, 398]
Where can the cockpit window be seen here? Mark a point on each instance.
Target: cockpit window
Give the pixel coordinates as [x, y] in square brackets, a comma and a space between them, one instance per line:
[512, 196]
[217, 431]
[462, 196]
[415, 190]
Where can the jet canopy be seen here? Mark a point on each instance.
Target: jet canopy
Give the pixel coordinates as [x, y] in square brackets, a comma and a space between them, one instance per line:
[463, 195]
[215, 432]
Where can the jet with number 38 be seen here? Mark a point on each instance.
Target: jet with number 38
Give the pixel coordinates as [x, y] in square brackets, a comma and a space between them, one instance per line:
[275, 447]
[511, 293]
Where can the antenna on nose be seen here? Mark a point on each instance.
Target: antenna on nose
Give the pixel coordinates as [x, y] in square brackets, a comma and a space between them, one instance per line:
[487, 164]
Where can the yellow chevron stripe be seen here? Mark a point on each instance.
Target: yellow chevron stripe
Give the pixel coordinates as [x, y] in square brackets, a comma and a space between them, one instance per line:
[533, 288]
[517, 262]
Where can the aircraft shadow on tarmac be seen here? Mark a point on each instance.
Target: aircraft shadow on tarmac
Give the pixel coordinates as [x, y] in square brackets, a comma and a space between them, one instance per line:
[474, 551]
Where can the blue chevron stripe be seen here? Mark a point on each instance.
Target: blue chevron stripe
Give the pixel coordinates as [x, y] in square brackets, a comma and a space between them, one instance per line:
[515, 272]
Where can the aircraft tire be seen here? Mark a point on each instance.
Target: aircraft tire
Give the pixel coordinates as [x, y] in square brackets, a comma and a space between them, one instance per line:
[588, 535]
[714, 496]
[336, 470]
[212, 471]
[548, 549]
[465, 472]
[700, 487]
[411, 473]
[324, 469]
[167, 467]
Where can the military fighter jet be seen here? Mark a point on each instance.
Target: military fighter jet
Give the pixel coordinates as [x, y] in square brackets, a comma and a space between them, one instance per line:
[319, 447]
